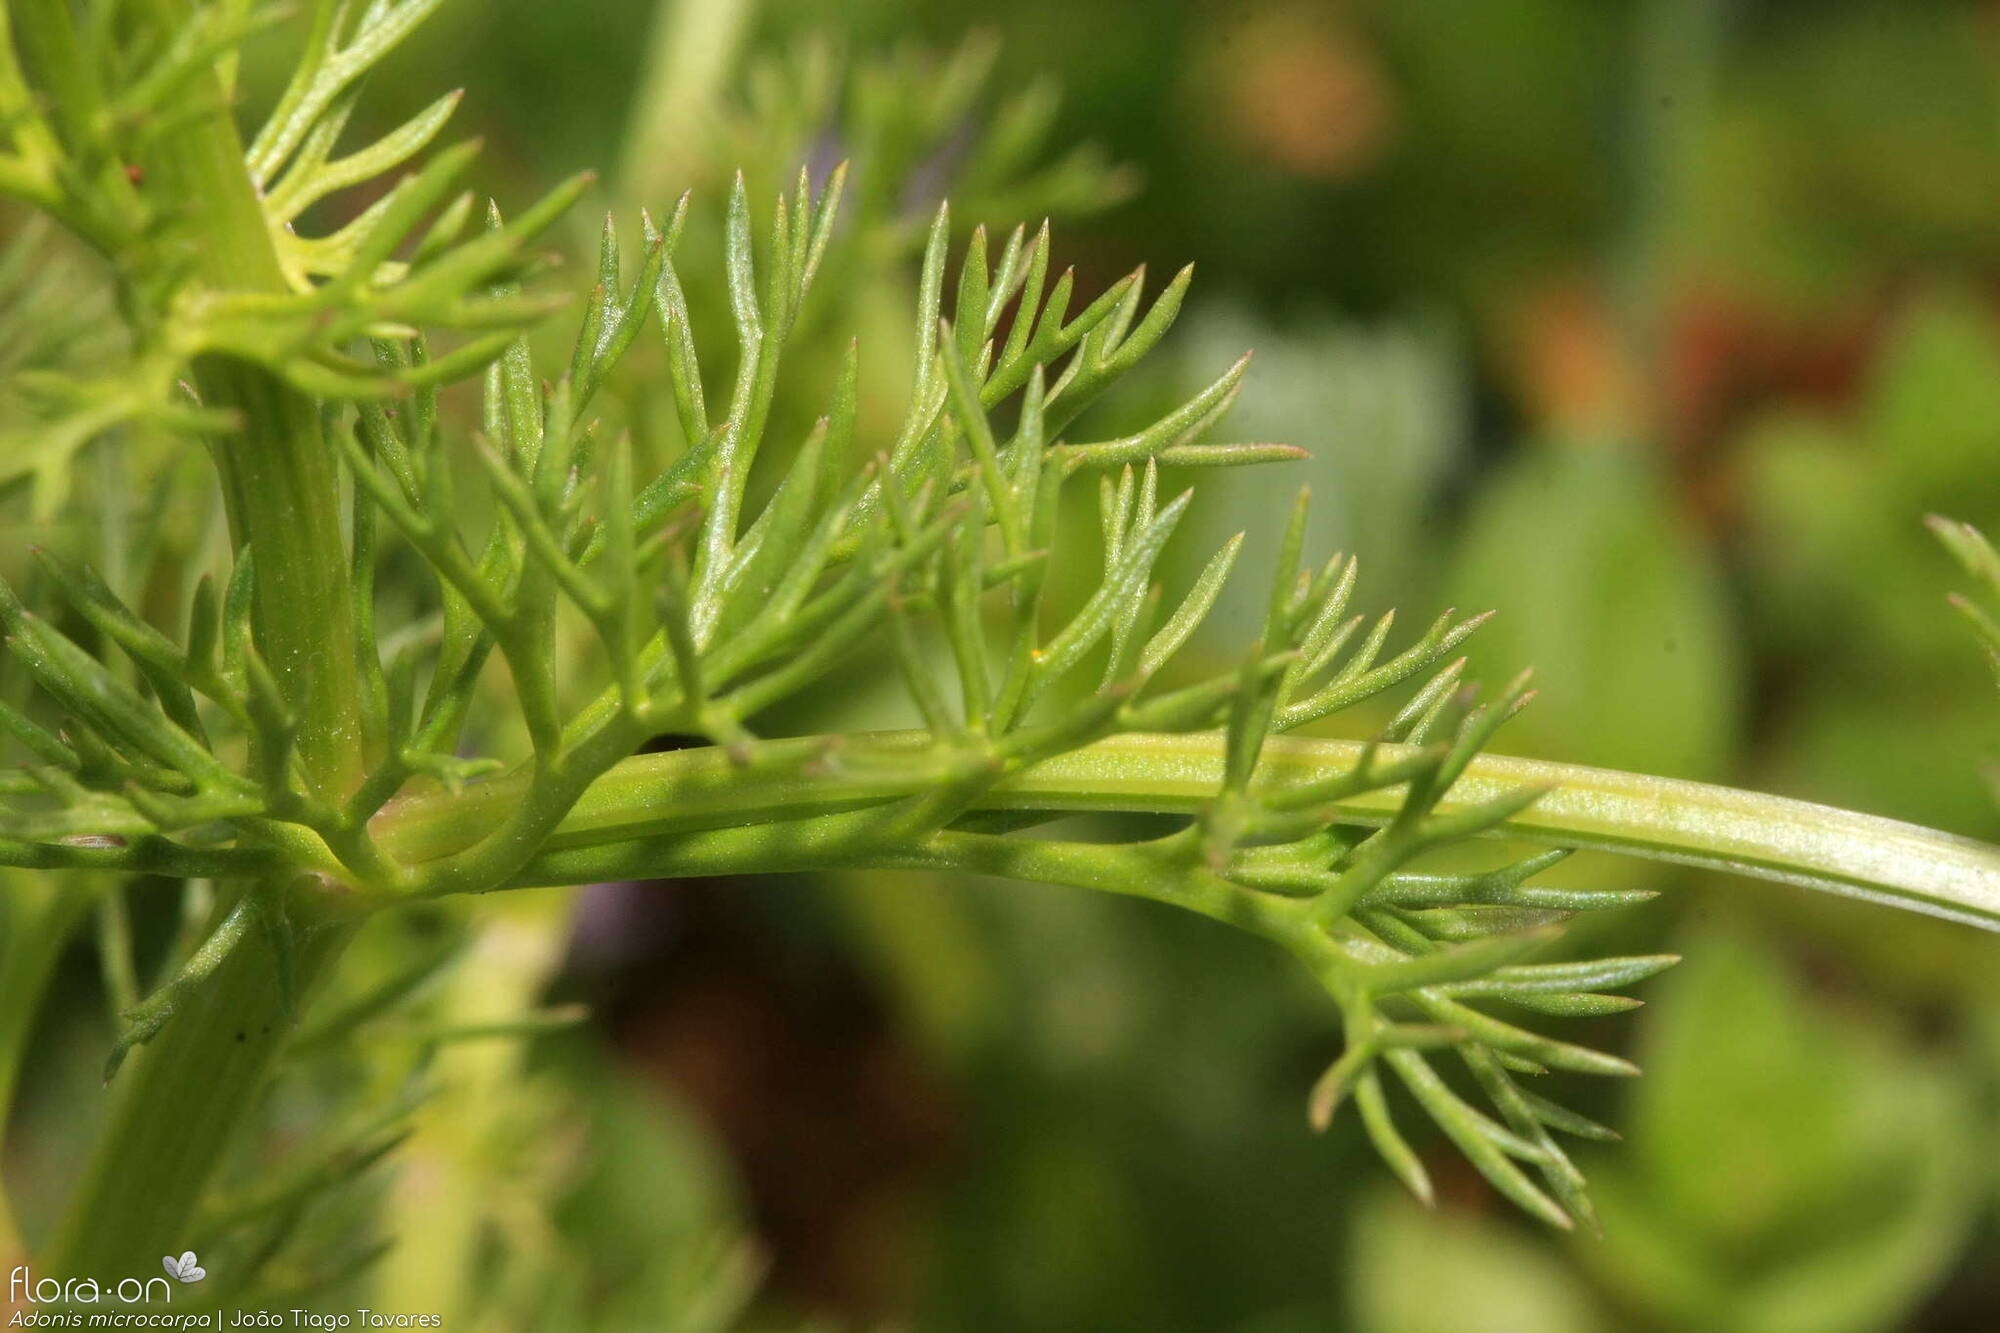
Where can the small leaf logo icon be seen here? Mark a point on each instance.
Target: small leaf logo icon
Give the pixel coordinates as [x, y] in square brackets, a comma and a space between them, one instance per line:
[185, 1268]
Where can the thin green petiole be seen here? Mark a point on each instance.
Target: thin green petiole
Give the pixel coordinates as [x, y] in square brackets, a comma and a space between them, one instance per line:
[1662, 819]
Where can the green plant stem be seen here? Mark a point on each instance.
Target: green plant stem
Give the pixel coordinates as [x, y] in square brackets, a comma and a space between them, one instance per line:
[37, 917]
[280, 481]
[451, 1174]
[282, 496]
[689, 55]
[181, 1098]
[636, 820]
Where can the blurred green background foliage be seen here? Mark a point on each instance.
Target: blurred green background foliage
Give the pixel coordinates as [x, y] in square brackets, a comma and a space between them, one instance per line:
[1656, 325]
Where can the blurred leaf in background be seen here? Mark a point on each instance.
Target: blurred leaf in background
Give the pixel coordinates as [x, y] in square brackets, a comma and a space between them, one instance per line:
[1602, 587]
[1382, 409]
[1852, 142]
[1413, 1271]
[1792, 1163]
[1879, 703]
[656, 1226]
